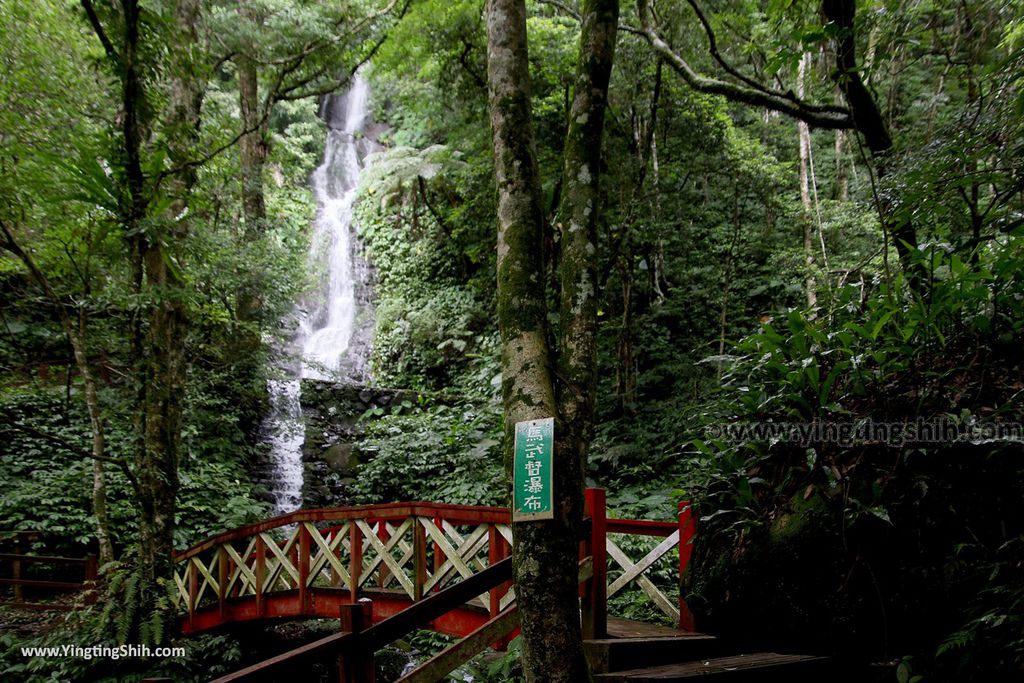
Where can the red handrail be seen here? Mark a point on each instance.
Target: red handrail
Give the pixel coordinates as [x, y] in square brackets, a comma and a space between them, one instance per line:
[456, 514]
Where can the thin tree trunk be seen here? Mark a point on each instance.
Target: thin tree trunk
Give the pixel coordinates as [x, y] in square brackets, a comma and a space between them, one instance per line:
[804, 131]
[842, 185]
[578, 220]
[77, 337]
[252, 147]
[626, 375]
[727, 275]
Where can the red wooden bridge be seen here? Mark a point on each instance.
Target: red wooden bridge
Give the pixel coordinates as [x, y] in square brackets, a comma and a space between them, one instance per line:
[388, 570]
[311, 562]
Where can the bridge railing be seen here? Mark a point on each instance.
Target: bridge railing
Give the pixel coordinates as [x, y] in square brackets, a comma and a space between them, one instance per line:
[405, 550]
[42, 575]
[309, 562]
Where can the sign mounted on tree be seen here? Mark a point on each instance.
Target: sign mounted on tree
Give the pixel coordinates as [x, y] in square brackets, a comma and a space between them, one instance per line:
[532, 494]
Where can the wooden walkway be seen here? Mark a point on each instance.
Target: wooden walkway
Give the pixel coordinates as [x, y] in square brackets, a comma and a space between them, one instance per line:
[637, 652]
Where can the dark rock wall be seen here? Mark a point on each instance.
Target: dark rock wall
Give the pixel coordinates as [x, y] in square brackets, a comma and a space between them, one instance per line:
[331, 451]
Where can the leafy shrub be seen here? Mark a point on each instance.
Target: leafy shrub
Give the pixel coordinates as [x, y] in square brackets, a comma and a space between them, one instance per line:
[442, 453]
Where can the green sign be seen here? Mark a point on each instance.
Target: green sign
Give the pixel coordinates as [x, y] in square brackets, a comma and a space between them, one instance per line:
[532, 495]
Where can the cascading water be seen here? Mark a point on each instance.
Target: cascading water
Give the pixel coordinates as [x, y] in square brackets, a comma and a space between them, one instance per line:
[321, 347]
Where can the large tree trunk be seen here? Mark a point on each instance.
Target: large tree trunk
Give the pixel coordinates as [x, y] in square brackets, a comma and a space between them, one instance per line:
[163, 344]
[252, 148]
[543, 555]
[544, 552]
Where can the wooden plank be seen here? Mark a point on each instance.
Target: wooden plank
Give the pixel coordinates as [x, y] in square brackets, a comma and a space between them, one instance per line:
[383, 543]
[469, 514]
[645, 584]
[778, 666]
[508, 598]
[263, 670]
[260, 572]
[416, 616]
[283, 561]
[42, 559]
[453, 532]
[384, 554]
[645, 562]
[627, 628]
[327, 556]
[182, 591]
[615, 654]
[463, 555]
[222, 578]
[640, 527]
[440, 539]
[38, 583]
[193, 591]
[420, 614]
[395, 539]
[207, 572]
[303, 565]
[439, 666]
[384, 534]
[242, 571]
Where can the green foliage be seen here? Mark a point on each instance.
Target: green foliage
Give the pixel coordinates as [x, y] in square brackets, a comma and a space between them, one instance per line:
[442, 453]
[507, 667]
[433, 325]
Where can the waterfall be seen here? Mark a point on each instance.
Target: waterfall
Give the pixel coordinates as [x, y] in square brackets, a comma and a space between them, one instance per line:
[322, 345]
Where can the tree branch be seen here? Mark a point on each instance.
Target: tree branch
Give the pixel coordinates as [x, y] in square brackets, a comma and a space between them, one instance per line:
[576, 15]
[713, 49]
[97, 27]
[821, 116]
[864, 110]
[292, 92]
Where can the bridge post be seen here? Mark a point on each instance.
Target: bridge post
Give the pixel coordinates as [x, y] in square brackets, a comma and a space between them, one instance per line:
[355, 554]
[595, 599]
[356, 664]
[193, 590]
[384, 536]
[19, 591]
[419, 558]
[497, 550]
[260, 570]
[223, 571]
[687, 529]
[303, 562]
[439, 557]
